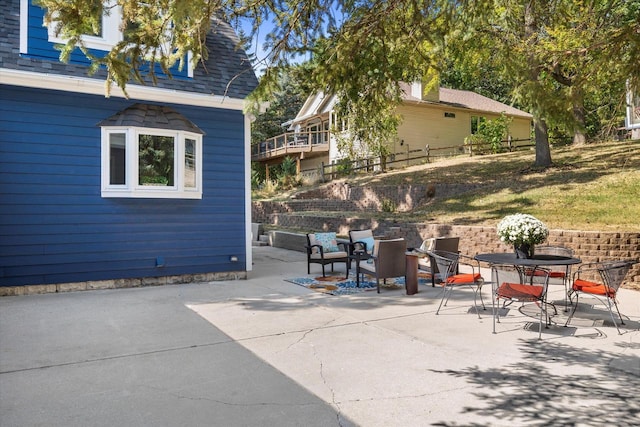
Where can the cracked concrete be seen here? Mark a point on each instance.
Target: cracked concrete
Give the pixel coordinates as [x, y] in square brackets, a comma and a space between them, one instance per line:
[267, 352]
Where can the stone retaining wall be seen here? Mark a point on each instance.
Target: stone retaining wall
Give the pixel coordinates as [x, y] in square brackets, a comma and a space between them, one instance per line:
[403, 197]
[261, 211]
[121, 283]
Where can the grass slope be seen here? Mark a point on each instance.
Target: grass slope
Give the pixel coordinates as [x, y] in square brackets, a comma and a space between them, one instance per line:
[590, 187]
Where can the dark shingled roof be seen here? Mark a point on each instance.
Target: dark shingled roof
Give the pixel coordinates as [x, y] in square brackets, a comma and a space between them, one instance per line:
[227, 71]
[151, 116]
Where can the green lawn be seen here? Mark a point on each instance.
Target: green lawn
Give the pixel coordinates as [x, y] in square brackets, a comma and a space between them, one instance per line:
[590, 187]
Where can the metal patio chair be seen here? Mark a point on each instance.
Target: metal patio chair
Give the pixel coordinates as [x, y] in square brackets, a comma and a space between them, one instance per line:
[448, 264]
[558, 274]
[510, 284]
[612, 274]
[448, 244]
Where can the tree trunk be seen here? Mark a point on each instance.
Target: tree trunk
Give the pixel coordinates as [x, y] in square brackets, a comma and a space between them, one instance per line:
[543, 153]
[577, 99]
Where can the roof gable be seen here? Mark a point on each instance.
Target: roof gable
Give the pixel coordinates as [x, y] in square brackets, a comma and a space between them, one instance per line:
[226, 72]
[315, 105]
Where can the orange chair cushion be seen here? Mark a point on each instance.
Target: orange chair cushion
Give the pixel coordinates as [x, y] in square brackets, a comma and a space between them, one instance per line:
[463, 279]
[519, 291]
[593, 288]
[553, 274]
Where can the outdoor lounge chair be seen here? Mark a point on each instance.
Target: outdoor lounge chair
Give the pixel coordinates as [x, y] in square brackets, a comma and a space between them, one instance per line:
[323, 249]
[387, 260]
[361, 240]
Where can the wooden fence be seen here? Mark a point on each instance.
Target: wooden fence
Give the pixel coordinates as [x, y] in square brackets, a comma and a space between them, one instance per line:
[407, 158]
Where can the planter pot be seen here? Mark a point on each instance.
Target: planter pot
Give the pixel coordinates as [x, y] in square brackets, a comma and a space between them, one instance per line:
[524, 250]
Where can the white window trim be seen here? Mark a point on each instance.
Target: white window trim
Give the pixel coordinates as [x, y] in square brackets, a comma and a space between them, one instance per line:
[111, 34]
[24, 25]
[131, 188]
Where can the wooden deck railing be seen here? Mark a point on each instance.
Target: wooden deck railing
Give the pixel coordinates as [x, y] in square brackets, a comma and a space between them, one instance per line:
[290, 143]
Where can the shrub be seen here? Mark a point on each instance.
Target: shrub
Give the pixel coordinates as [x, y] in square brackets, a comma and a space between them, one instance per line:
[492, 133]
[344, 167]
[388, 206]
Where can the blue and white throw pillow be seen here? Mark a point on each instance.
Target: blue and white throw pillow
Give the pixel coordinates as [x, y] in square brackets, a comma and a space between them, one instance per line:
[327, 241]
[369, 242]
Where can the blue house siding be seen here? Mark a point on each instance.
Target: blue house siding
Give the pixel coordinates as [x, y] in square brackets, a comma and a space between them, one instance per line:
[39, 45]
[54, 225]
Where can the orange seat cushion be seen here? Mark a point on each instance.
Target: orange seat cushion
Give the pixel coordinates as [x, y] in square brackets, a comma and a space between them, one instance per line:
[593, 288]
[463, 279]
[554, 274]
[520, 292]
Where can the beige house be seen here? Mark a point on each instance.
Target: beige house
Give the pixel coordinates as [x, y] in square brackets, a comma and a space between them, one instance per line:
[436, 122]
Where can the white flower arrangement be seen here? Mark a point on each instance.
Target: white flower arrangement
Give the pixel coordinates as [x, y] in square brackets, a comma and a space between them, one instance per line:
[520, 228]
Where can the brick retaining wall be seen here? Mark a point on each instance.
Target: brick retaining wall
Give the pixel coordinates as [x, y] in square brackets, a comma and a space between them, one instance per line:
[403, 197]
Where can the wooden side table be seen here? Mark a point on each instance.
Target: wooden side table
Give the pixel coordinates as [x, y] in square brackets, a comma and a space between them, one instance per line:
[411, 273]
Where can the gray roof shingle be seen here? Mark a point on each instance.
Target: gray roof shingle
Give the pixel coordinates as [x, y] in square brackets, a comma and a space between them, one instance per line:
[467, 100]
[227, 71]
[151, 116]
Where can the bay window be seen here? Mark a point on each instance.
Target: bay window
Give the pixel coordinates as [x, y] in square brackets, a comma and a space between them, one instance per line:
[152, 163]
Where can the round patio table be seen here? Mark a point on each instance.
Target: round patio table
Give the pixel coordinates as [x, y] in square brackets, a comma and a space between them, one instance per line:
[537, 260]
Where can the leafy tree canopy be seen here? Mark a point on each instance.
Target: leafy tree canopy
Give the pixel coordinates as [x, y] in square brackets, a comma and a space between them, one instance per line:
[554, 55]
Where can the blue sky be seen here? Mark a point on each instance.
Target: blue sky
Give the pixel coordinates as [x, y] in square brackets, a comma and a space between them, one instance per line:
[257, 44]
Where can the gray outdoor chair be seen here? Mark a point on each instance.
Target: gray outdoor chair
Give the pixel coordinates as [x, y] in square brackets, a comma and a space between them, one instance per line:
[387, 261]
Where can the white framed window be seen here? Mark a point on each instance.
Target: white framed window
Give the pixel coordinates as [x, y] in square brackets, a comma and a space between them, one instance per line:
[151, 163]
[107, 36]
[110, 33]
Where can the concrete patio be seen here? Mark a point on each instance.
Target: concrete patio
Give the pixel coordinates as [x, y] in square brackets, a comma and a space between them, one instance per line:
[267, 352]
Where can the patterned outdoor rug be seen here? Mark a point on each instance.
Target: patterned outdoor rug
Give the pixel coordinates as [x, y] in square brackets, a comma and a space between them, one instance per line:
[340, 285]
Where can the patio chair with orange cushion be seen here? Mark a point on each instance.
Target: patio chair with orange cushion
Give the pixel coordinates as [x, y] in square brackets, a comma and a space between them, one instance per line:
[448, 244]
[611, 274]
[448, 264]
[558, 274]
[510, 284]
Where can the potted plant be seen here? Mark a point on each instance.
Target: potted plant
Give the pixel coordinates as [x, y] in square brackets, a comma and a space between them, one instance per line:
[523, 231]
